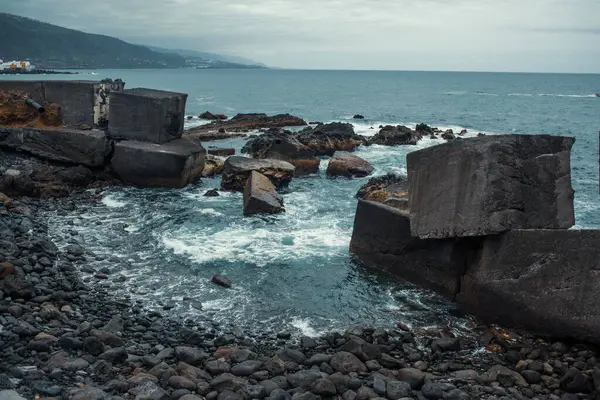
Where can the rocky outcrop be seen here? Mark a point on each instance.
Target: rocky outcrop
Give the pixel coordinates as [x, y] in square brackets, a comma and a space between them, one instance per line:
[245, 123]
[174, 164]
[237, 170]
[260, 196]
[546, 281]
[381, 240]
[282, 145]
[213, 166]
[391, 190]
[89, 148]
[396, 136]
[222, 152]
[210, 116]
[490, 184]
[348, 165]
[326, 139]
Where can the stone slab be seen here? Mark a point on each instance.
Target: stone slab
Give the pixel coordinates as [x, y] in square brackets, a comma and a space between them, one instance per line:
[490, 184]
[546, 281]
[146, 115]
[237, 169]
[90, 148]
[381, 240]
[174, 164]
[260, 196]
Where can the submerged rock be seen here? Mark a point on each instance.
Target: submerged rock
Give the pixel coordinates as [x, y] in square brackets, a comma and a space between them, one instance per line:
[345, 164]
[221, 281]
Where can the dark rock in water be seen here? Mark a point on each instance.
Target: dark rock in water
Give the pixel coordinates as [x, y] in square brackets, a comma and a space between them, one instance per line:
[221, 281]
[424, 129]
[210, 116]
[358, 116]
[326, 139]
[390, 189]
[348, 165]
[448, 135]
[260, 196]
[507, 182]
[540, 280]
[463, 132]
[381, 239]
[345, 363]
[237, 170]
[212, 193]
[396, 136]
[221, 152]
[283, 145]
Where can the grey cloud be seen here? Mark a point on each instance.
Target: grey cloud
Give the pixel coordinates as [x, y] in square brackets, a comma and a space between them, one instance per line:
[379, 34]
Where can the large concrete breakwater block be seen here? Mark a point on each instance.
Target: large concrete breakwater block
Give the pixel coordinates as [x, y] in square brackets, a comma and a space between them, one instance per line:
[543, 280]
[547, 281]
[237, 170]
[174, 164]
[90, 147]
[381, 240]
[146, 115]
[487, 185]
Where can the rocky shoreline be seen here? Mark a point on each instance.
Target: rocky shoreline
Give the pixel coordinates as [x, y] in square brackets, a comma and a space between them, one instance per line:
[65, 339]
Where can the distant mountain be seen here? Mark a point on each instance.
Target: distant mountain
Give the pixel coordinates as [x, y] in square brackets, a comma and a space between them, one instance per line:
[208, 56]
[200, 57]
[49, 46]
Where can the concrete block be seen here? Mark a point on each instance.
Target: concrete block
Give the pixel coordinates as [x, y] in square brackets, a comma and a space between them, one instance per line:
[546, 281]
[260, 196]
[381, 240]
[146, 115]
[35, 89]
[174, 164]
[488, 185]
[90, 148]
[76, 99]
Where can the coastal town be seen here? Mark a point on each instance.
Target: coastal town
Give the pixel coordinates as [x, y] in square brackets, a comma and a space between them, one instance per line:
[15, 65]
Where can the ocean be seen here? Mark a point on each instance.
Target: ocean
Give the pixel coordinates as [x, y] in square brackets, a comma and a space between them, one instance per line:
[293, 271]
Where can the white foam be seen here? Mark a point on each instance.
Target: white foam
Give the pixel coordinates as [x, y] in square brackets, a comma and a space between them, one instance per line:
[111, 201]
[210, 211]
[303, 325]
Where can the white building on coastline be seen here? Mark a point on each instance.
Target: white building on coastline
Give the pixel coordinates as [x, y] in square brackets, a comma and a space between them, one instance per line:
[23, 65]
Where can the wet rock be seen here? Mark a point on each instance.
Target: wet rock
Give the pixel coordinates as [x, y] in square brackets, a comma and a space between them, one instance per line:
[279, 394]
[89, 393]
[213, 166]
[358, 116]
[210, 116]
[446, 344]
[227, 381]
[212, 193]
[505, 376]
[395, 136]
[390, 362]
[348, 165]
[365, 393]
[260, 196]
[49, 312]
[574, 381]
[292, 355]
[326, 139]
[107, 337]
[345, 363]
[412, 376]
[221, 281]
[93, 345]
[283, 145]
[192, 373]
[391, 190]
[275, 366]
[318, 359]
[149, 390]
[237, 170]
[432, 391]
[10, 395]
[379, 385]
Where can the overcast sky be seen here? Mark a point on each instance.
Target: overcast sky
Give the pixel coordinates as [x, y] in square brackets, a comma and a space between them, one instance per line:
[468, 35]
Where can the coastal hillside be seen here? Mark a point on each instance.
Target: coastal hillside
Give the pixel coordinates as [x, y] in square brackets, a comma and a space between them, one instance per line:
[50, 46]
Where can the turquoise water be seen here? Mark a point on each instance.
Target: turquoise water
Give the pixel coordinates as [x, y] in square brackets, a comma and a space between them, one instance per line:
[293, 271]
